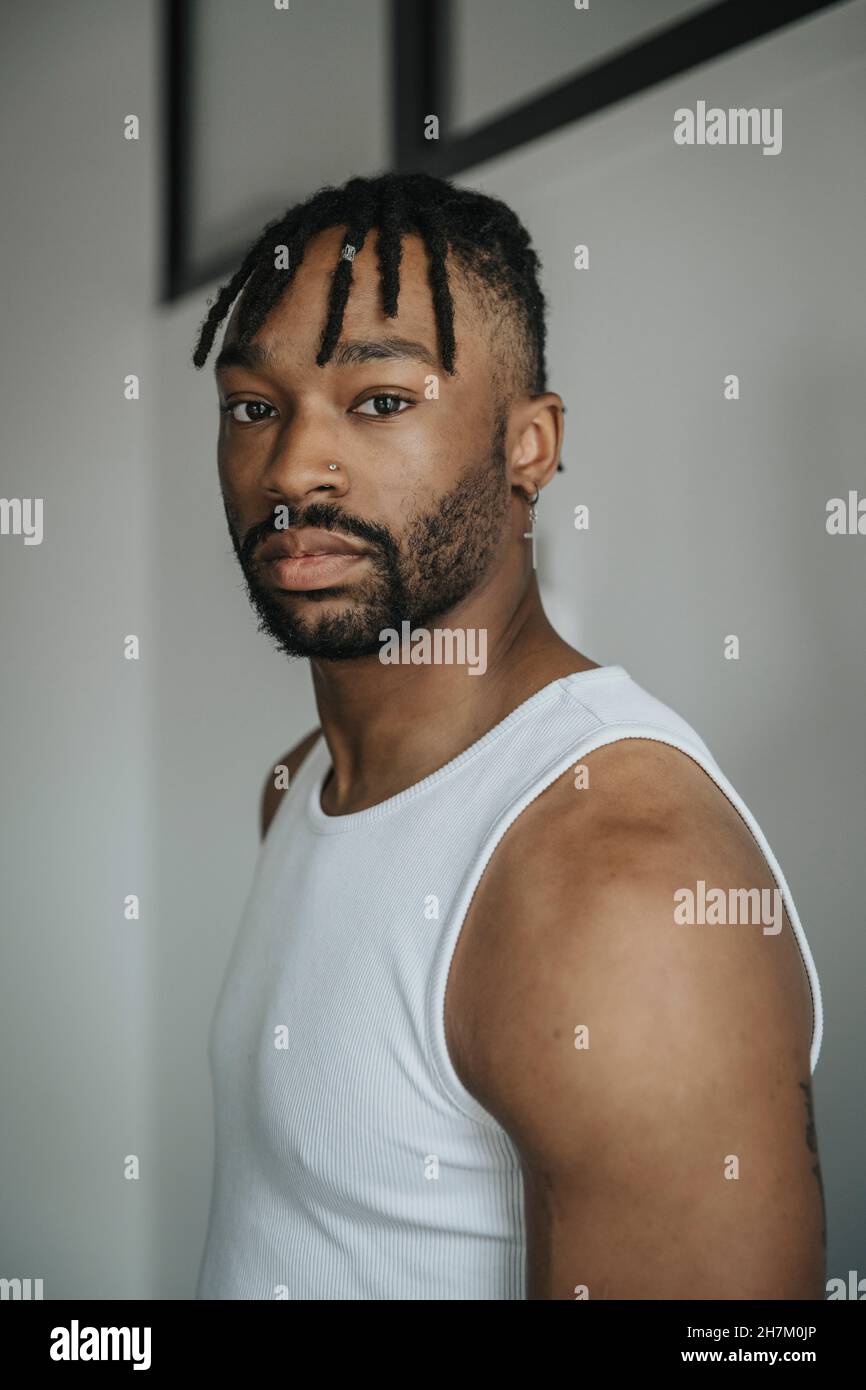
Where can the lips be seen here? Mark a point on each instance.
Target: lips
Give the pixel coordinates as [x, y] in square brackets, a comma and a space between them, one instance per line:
[309, 559]
[294, 545]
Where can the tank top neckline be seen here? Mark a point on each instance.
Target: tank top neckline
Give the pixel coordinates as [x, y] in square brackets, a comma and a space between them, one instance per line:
[320, 762]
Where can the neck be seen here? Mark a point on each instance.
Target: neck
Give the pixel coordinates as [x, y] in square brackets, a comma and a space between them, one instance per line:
[389, 726]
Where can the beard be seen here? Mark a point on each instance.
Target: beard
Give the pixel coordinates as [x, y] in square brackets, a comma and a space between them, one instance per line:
[443, 555]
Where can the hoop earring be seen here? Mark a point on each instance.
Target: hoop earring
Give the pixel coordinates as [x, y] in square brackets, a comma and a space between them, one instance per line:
[532, 500]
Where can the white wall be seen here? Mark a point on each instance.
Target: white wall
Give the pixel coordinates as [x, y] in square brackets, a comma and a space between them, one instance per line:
[707, 518]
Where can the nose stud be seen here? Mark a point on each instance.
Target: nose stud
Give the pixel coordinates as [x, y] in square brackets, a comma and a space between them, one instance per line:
[332, 465]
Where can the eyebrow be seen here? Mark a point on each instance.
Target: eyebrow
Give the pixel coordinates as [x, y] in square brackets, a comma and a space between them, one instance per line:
[348, 352]
[250, 355]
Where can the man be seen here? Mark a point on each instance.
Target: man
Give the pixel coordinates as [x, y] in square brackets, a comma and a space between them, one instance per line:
[481, 1035]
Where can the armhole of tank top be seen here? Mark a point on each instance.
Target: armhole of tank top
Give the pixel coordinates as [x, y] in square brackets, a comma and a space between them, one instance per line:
[437, 1048]
[726, 787]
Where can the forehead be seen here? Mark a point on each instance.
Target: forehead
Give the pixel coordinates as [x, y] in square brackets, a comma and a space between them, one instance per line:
[293, 328]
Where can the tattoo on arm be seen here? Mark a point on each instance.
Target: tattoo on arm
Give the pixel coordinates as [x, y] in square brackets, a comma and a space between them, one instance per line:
[812, 1142]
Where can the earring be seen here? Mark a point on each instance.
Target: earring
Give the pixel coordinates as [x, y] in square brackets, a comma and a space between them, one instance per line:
[530, 535]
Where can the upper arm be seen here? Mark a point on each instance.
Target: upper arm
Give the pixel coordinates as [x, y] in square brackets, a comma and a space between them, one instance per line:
[653, 1076]
[272, 791]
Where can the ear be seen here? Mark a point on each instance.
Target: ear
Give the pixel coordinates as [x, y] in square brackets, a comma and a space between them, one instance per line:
[537, 428]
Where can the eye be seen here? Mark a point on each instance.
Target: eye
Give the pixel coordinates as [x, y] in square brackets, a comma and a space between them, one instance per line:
[388, 399]
[242, 405]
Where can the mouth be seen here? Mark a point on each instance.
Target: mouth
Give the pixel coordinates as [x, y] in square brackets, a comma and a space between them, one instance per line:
[308, 558]
[298, 572]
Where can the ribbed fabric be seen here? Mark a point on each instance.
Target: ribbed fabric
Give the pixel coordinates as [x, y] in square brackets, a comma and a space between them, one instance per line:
[351, 1162]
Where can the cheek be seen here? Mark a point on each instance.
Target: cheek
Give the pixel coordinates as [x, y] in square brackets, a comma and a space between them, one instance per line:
[236, 478]
[237, 505]
[432, 458]
[235, 514]
[223, 470]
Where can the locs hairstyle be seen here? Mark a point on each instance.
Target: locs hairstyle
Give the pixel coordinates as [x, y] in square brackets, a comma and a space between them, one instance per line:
[484, 235]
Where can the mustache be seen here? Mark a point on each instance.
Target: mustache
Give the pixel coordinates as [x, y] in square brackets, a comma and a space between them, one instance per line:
[321, 515]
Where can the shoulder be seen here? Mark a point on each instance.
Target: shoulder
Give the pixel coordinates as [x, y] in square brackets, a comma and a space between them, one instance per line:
[273, 789]
[640, 1064]
[578, 938]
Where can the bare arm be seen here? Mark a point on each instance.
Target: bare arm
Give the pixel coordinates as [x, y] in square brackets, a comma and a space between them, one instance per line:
[654, 1076]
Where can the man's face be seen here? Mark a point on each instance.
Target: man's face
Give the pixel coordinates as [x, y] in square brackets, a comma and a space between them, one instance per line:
[419, 496]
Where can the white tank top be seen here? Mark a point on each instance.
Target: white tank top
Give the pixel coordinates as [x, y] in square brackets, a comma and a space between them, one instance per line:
[350, 1161]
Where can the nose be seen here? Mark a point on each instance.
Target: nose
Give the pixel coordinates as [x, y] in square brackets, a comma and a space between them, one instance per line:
[305, 461]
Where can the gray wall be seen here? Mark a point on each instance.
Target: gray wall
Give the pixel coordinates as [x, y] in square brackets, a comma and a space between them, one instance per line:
[707, 517]
[79, 1016]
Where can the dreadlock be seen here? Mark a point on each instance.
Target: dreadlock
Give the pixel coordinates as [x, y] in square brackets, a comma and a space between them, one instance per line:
[485, 237]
